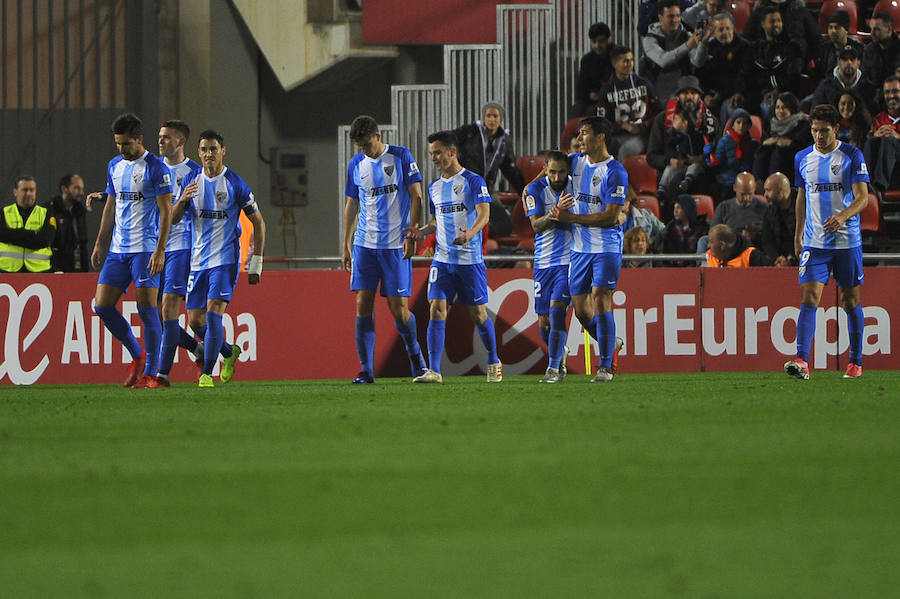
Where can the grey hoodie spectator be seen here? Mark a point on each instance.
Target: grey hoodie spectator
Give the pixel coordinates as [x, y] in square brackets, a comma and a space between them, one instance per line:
[667, 47]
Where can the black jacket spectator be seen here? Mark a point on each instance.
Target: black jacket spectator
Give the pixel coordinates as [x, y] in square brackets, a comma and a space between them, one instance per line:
[487, 154]
[851, 79]
[881, 56]
[594, 71]
[705, 123]
[799, 25]
[70, 245]
[777, 237]
[721, 68]
[771, 65]
[831, 49]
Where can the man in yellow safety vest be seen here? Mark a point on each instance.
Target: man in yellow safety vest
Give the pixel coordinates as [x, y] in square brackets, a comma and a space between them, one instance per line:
[26, 231]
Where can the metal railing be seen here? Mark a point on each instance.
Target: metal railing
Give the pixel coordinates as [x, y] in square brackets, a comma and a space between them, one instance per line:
[474, 75]
[418, 111]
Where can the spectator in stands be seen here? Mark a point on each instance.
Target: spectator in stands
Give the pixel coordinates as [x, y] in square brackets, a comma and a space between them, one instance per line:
[777, 238]
[735, 150]
[635, 242]
[687, 99]
[838, 39]
[882, 149]
[667, 47]
[856, 121]
[845, 76]
[788, 134]
[744, 209]
[632, 216]
[594, 71]
[774, 64]
[648, 13]
[700, 13]
[70, 245]
[799, 24]
[26, 231]
[881, 56]
[684, 154]
[720, 61]
[486, 148]
[727, 249]
[629, 102]
[683, 232]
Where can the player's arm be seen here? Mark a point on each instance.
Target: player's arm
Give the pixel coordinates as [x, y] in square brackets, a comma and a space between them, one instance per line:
[412, 231]
[609, 217]
[800, 220]
[350, 210]
[184, 200]
[158, 259]
[834, 222]
[483, 209]
[539, 222]
[107, 219]
[254, 270]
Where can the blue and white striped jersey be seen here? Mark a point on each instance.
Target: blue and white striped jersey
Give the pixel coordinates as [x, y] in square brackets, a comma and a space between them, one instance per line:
[597, 185]
[382, 187]
[453, 203]
[135, 185]
[828, 182]
[215, 215]
[180, 235]
[553, 246]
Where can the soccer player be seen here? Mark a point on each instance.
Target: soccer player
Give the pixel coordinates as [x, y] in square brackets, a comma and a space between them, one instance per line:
[831, 179]
[461, 206]
[212, 197]
[600, 181]
[384, 194]
[552, 251]
[139, 203]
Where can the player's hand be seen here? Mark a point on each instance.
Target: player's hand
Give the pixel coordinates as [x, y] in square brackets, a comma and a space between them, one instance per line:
[157, 262]
[97, 257]
[347, 259]
[566, 201]
[253, 279]
[413, 233]
[254, 269]
[834, 222]
[462, 239]
[95, 195]
[188, 192]
[409, 248]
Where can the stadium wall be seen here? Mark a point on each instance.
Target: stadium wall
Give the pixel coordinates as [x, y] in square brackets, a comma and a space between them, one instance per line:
[300, 325]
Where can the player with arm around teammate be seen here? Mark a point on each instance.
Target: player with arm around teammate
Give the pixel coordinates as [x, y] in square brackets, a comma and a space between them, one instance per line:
[461, 205]
[831, 179]
[552, 252]
[384, 195]
[212, 197]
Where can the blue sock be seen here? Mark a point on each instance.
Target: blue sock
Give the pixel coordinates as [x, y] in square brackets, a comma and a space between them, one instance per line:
[856, 320]
[408, 333]
[489, 339]
[213, 338]
[606, 333]
[365, 342]
[152, 337]
[545, 333]
[169, 346]
[225, 349]
[185, 340]
[806, 329]
[120, 329]
[436, 330]
[557, 335]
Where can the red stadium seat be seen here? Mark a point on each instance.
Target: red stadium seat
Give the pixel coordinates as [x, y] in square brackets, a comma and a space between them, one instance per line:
[508, 197]
[526, 244]
[830, 6]
[740, 10]
[641, 175]
[705, 206]
[521, 227]
[530, 167]
[870, 217]
[891, 7]
[648, 202]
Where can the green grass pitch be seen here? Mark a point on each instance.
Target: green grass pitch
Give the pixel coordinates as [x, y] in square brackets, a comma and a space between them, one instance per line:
[681, 485]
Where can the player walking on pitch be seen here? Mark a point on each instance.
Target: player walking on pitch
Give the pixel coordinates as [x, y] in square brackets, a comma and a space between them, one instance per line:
[831, 179]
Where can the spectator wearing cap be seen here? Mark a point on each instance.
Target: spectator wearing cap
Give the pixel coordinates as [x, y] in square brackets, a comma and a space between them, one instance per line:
[838, 40]
[846, 76]
[486, 148]
[720, 62]
[882, 149]
[773, 65]
[881, 55]
[594, 72]
[667, 47]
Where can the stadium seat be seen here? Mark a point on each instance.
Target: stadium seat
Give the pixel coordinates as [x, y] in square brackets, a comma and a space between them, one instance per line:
[521, 227]
[705, 206]
[891, 7]
[741, 12]
[648, 202]
[526, 244]
[508, 197]
[870, 217]
[642, 177]
[830, 6]
[569, 131]
[530, 167]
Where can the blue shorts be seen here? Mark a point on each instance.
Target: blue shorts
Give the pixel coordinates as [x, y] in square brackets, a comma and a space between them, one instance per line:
[593, 270]
[468, 282]
[550, 284]
[119, 270]
[215, 283]
[845, 265]
[388, 266]
[174, 276]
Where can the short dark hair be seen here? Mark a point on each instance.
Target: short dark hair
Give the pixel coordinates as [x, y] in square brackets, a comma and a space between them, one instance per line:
[619, 50]
[769, 10]
[664, 4]
[827, 113]
[599, 30]
[884, 17]
[66, 179]
[598, 124]
[891, 78]
[21, 178]
[790, 101]
[684, 114]
[362, 128]
[447, 138]
[556, 155]
[128, 124]
[212, 134]
[180, 126]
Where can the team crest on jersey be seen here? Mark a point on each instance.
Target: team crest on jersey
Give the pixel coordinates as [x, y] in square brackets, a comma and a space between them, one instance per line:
[178, 181]
[136, 177]
[220, 195]
[835, 169]
[595, 180]
[457, 188]
[389, 170]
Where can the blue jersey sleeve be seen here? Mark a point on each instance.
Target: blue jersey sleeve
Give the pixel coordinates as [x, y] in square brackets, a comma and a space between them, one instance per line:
[534, 205]
[411, 172]
[478, 188]
[243, 195]
[160, 177]
[798, 170]
[859, 173]
[110, 186]
[350, 188]
[615, 185]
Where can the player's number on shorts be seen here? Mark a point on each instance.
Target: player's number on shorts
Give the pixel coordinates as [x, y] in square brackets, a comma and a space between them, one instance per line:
[432, 274]
[537, 289]
[190, 283]
[804, 257]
